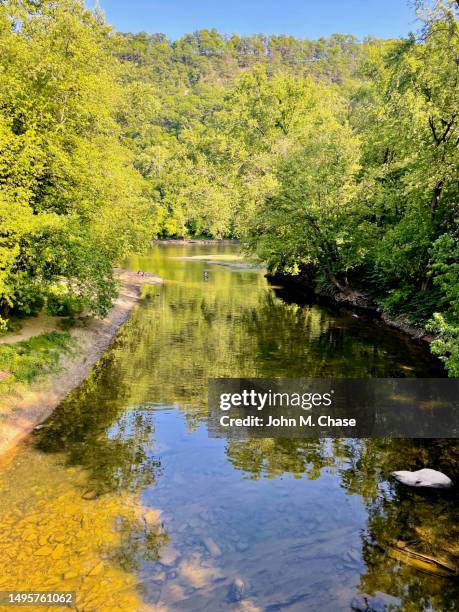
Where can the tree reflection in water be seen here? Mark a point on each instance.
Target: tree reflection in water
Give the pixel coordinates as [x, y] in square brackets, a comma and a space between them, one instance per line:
[403, 522]
[113, 443]
[410, 545]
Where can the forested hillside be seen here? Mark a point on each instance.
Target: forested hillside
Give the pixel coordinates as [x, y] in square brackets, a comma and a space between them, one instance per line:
[334, 158]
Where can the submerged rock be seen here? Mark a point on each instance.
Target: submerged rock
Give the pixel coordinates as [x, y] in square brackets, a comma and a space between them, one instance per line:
[44, 551]
[169, 557]
[236, 590]
[90, 495]
[366, 603]
[424, 478]
[212, 547]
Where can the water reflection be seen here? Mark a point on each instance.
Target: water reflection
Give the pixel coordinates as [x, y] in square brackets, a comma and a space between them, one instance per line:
[111, 441]
[411, 543]
[193, 523]
[274, 457]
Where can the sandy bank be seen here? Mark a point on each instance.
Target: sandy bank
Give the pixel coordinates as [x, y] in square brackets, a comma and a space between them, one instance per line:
[31, 405]
[33, 326]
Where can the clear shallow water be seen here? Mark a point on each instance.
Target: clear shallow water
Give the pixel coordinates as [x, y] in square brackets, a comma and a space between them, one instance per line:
[123, 498]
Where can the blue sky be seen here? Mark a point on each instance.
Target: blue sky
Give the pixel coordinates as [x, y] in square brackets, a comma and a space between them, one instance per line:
[302, 18]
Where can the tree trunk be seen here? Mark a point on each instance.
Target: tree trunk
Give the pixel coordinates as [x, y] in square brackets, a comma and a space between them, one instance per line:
[335, 281]
[436, 198]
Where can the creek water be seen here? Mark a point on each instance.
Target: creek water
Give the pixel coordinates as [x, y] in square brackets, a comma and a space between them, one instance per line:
[123, 498]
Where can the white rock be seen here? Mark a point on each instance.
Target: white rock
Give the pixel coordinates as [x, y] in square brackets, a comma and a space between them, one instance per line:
[424, 478]
[236, 590]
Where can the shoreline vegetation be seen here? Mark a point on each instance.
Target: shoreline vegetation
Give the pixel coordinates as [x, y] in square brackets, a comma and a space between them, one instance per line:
[196, 241]
[24, 406]
[356, 301]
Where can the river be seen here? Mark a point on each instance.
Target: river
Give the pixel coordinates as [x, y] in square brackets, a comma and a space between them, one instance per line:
[123, 498]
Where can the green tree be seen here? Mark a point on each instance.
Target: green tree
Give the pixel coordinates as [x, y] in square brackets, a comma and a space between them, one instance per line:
[71, 201]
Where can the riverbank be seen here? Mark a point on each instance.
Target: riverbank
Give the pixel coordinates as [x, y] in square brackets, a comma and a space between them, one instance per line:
[29, 405]
[355, 300]
[201, 241]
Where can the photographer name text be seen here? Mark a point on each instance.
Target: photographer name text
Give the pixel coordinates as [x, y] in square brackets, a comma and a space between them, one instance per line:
[281, 421]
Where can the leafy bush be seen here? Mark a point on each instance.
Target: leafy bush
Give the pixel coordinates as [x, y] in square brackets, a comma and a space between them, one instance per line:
[61, 303]
[445, 266]
[28, 294]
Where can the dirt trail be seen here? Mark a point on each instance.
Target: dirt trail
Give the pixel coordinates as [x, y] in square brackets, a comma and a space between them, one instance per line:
[32, 327]
[34, 403]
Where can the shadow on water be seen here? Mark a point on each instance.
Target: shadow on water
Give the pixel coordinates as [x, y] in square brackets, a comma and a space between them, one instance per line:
[206, 524]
